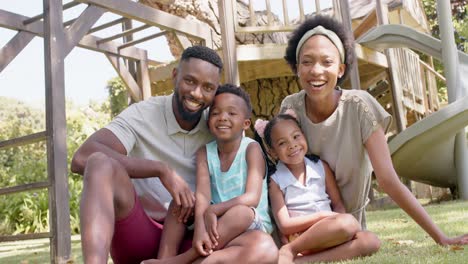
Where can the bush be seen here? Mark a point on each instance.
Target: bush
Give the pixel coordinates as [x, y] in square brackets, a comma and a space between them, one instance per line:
[27, 212]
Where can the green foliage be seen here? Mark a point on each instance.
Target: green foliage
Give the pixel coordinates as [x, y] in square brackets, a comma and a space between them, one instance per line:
[27, 212]
[118, 96]
[460, 24]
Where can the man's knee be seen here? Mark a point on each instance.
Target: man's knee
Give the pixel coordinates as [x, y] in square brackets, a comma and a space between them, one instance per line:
[102, 168]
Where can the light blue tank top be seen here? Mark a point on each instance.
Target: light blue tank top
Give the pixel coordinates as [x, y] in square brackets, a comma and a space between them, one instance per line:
[230, 184]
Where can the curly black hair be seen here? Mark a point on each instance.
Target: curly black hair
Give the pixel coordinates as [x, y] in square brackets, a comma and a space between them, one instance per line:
[329, 23]
[271, 163]
[239, 91]
[202, 53]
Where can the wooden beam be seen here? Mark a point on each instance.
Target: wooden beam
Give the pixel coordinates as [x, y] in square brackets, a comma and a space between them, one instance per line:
[182, 40]
[25, 187]
[346, 20]
[371, 56]
[265, 29]
[397, 95]
[127, 78]
[124, 33]
[9, 52]
[15, 22]
[144, 79]
[253, 52]
[367, 23]
[106, 25]
[80, 27]
[21, 141]
[54, 40]
[24, 237]
[285, 13]
[226, 19]
[40, 16]
[136, 41]
[154, 17]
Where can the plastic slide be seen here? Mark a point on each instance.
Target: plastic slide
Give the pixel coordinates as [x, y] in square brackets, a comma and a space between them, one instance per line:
[424, 152]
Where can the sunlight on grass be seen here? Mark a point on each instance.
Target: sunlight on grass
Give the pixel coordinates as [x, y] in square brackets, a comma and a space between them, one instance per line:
[402, 240]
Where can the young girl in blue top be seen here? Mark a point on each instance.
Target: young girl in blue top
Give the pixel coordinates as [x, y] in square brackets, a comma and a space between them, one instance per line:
[231, 189]
[306, 202]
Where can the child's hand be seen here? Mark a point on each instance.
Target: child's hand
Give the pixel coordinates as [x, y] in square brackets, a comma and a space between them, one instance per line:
[202, 243]
[461, 240]
[211, 225]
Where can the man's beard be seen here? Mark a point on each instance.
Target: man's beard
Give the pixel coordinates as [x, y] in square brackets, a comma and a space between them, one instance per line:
[186, 115]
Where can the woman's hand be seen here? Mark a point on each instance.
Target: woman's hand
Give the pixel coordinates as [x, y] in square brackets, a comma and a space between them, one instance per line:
[460, 240]
[211, 225]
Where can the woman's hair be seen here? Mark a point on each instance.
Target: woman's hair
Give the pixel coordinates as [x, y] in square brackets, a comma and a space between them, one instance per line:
[271, 163]
[330, 24]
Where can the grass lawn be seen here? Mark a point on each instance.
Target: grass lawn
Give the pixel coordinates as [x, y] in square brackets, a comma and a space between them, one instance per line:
[402, 240]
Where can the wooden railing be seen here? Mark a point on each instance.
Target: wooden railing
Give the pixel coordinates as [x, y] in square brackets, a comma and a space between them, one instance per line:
[417, 80]
[286, 24]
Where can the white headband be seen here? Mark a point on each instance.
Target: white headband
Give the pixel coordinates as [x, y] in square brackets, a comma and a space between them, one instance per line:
[319, 30]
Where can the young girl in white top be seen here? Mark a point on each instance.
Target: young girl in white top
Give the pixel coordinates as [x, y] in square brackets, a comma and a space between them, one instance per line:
[306, 202]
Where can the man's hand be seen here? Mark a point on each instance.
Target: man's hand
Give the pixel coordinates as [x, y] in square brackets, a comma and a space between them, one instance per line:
[182, 196]
[211, 225]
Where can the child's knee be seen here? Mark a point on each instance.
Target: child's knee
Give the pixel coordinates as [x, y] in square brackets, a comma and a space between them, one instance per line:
[348, 225]
[369, 242]
[241, 213]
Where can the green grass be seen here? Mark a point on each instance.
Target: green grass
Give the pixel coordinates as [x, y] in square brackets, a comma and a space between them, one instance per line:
[402, 240]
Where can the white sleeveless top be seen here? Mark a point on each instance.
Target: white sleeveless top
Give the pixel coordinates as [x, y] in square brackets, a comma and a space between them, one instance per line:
[303, 199]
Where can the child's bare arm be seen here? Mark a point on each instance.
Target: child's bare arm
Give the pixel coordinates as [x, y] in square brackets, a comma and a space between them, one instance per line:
[332, 190]
[201, 240]
[286, 224]
[253, 189]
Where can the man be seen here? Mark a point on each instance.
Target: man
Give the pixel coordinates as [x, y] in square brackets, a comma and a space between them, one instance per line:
[142, 160]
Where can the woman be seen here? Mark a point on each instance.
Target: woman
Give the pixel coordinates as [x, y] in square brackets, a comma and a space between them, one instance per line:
[346, 128]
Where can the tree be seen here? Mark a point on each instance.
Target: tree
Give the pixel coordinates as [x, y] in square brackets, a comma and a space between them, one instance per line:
[459, 18]
[27, 212]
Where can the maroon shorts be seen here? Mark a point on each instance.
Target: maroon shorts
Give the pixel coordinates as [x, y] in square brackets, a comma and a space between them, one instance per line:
[137, 237]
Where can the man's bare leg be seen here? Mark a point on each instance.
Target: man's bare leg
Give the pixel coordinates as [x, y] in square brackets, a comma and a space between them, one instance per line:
[107, 195]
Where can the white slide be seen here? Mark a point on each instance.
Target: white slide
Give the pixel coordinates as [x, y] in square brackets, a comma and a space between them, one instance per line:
[424, 152]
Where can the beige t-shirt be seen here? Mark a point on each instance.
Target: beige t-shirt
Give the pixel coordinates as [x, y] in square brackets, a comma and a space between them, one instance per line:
[149, 130]
[340, 139]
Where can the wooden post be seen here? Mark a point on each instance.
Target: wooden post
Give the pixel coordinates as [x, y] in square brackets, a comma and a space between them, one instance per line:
[227, 18]
[397, 95]
[382, 18]
[54, 42]
[346, 20]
